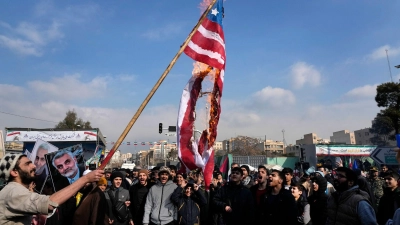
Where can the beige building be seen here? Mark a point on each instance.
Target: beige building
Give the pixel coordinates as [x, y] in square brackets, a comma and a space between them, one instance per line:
[343, 136]
[276, 147]
[217, 145]
[310, 139]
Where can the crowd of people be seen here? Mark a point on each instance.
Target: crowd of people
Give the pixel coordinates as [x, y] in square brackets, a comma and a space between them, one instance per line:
[164, 196]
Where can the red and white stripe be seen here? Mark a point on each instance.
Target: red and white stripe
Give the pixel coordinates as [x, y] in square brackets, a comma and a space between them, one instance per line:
[208, 45]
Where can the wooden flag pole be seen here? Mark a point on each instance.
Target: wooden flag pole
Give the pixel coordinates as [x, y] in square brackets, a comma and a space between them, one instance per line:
[154, 89]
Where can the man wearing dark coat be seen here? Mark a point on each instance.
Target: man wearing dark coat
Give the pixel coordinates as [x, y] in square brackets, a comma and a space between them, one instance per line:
[235, 201]
[69, 171]
[138, 194]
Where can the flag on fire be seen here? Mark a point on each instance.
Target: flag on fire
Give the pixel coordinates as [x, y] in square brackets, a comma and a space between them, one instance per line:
[206, 46]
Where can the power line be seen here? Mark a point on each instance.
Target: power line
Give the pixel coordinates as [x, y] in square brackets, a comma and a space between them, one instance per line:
[28, 117]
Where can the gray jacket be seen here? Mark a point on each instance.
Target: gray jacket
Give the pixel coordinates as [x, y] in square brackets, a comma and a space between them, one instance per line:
[159, 209]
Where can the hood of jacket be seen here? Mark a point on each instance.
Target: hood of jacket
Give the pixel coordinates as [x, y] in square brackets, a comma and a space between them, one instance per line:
[322, 184]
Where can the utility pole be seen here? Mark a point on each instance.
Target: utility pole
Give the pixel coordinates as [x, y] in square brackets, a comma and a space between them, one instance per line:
[390, 69]
[284, 141]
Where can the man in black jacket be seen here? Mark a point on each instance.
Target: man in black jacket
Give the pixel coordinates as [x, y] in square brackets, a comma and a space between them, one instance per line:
[235, 201]
[138, 195]
[258, 191]
[278, 204]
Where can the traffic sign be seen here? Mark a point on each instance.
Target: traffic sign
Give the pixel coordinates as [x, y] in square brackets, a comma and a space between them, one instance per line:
[385, 155]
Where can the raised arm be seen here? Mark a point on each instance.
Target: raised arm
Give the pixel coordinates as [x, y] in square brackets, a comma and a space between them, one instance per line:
[64, 194]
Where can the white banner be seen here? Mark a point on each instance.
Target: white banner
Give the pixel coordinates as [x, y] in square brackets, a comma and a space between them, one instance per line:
[356, 150]
[49, 136]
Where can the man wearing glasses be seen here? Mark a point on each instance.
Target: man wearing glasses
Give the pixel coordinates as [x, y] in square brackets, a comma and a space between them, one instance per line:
[349, 204]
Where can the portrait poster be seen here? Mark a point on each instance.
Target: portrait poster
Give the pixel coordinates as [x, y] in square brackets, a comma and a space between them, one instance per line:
[37, 156]
[66, 166]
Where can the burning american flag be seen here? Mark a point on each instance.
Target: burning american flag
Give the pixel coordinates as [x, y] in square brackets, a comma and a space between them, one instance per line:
[206, 46]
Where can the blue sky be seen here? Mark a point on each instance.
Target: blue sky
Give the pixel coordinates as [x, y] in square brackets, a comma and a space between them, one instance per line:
[303, 66]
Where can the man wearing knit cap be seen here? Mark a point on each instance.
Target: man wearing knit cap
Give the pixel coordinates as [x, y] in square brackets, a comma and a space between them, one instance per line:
[138, 194]
[158, 208]
[115, 196]
[18, 204]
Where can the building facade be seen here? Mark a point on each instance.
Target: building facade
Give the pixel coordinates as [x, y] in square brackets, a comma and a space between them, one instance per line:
[343, 137]
[272, 147]
[363, 136]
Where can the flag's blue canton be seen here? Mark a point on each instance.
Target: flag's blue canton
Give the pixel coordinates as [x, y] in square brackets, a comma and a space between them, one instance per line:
[216, 12]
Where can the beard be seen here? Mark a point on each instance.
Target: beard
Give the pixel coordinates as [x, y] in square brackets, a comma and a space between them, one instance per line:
[340, 187]
[26, 177]
[69, 173]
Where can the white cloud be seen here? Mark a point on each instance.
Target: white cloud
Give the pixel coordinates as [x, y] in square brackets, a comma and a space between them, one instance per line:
[161, 33]
[28, 38]
[380, 52]
[302, 74]
[366, 91]
[19, 46]
[274, 97]
[8, 90]
[70, 87]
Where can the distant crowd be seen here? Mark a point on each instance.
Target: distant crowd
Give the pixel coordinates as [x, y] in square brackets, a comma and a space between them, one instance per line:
[164, 196]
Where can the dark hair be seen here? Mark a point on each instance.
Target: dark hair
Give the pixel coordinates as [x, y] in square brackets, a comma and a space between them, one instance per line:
[287, 170]
[393, 174]
[263, 167]
[237, 169]
[280, 174]
[350, 174]
[172, 167]
[156, 168]
[300, 187]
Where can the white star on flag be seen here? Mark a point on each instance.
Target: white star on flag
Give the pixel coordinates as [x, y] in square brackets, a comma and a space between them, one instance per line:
[214, 12]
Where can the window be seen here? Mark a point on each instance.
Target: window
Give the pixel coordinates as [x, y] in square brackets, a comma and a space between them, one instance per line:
[366, 133]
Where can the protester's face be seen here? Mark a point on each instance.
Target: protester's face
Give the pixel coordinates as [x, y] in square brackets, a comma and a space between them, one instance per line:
[288, 177]
[103, 187]
[262, 176]
[236, 177]
[296, 192]
[40, 161]
[315, 186]
[384, 169]
[142, 178]
[163, 177]
[135, 173]
[26, 170]
[199, 179]
[219, 177]
[340, 181]
[173, 173]
[245, 173]
[322, 170]
[188, 191]
[154, 174]
[108, 175]
[274, 179]
[180, 179]
[391, 182]
[66, 165]
[117, 182]
[374, 174]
